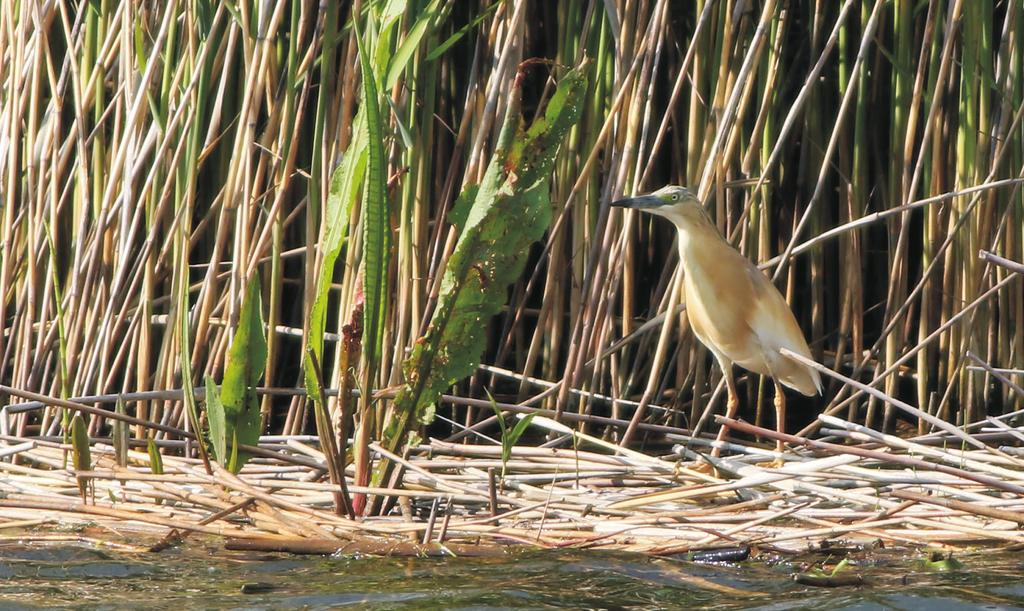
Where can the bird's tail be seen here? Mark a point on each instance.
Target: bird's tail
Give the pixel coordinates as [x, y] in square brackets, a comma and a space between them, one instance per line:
[800, 378]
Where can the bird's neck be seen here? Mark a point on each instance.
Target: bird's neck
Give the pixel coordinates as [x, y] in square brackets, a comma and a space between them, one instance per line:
[696, 232]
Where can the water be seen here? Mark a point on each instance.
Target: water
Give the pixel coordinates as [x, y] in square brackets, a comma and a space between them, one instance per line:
[204, 576]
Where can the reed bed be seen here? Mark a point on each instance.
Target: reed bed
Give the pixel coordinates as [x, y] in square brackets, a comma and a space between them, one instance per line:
[159, 160]
[876, 490]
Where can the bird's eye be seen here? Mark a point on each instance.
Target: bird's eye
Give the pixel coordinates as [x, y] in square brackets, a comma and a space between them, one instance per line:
[675, 197]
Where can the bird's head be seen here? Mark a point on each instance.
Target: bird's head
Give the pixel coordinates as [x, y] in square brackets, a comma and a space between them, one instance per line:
[678, 204]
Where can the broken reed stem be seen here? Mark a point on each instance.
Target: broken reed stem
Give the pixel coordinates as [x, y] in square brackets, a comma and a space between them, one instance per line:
[972, 508]
[880, 456]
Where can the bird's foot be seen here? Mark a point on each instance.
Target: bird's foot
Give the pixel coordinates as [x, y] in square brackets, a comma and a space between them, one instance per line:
[778, 463]
[703, 467]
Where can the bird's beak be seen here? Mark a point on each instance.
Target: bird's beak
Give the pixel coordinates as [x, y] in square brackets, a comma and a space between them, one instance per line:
[640, 202]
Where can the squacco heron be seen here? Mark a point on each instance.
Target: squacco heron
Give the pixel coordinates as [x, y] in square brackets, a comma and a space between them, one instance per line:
[733, 308]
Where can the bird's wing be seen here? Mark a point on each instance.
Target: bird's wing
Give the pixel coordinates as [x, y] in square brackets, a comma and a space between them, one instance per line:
[718, 294]
[773, 322]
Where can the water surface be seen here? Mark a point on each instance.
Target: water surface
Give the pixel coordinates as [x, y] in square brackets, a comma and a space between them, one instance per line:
[205, 576]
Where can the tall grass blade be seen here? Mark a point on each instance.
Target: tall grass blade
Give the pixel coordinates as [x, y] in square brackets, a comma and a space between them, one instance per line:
[374, 212]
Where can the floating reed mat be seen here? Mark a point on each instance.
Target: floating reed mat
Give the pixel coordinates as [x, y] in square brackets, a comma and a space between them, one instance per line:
[850, 487]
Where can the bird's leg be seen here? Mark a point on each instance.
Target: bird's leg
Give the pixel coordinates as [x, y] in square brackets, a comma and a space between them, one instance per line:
[732, 405]
[780, 414]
